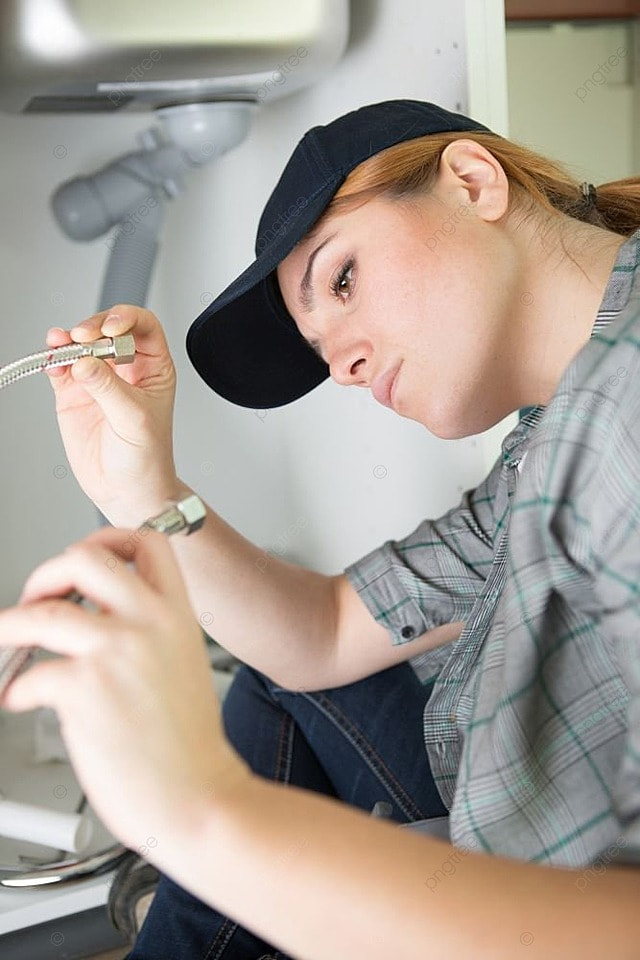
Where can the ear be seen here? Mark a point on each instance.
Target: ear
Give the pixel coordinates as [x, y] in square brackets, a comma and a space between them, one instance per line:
[469, 172]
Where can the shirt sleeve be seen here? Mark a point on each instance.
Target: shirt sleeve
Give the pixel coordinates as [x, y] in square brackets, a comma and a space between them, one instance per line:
[434, 575]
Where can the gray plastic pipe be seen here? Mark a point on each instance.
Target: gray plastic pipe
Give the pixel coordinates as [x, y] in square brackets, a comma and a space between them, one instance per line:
[134, 248]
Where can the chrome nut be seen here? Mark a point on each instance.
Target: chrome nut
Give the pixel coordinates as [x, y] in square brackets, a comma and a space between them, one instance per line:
[124, 349]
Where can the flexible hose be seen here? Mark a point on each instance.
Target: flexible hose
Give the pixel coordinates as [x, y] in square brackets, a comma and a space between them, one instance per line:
[134, 248]
[120, 349]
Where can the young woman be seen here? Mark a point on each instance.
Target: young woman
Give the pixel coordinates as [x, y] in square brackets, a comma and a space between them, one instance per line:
[459, 277]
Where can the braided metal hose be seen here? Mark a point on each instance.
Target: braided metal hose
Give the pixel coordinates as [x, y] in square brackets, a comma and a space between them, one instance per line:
[119, 349]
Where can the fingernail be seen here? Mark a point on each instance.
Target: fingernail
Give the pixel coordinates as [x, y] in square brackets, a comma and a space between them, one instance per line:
[80, 328]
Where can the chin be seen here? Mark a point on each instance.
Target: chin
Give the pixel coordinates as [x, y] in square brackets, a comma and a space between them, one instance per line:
[424, 422]
[450, 423]
[451, 431]
[444, 422]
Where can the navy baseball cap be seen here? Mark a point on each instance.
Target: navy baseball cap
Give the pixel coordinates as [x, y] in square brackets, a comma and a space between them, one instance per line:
[245, 345]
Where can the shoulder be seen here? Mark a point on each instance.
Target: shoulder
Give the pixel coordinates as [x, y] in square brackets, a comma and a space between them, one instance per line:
[604, 375]
[584, 460]
[598, 395]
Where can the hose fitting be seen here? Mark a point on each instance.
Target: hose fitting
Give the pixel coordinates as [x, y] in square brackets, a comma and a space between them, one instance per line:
[119, 349]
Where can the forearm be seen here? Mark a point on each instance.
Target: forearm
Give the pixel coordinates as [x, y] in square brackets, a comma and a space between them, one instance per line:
[323, 881]
[273, 615]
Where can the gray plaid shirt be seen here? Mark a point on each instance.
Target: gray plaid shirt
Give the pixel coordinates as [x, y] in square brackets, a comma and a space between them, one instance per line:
[533, 726]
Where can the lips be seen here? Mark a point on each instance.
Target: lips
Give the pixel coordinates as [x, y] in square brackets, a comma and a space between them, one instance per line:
[382, 385]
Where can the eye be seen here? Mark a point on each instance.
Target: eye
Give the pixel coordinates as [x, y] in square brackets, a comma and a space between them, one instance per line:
[342, 277]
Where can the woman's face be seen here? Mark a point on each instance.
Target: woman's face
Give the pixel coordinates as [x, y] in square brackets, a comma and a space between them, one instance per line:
[412, 300]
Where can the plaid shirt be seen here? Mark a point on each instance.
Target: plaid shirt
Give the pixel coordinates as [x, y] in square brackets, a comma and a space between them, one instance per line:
[533, 726]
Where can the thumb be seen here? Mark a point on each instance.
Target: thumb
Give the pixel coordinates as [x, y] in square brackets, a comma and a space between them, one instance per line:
[113, 395]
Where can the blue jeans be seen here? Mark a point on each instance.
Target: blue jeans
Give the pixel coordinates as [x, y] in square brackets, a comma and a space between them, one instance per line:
[360, 743]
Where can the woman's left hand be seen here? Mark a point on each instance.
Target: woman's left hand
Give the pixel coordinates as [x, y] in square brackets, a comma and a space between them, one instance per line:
[133, 688]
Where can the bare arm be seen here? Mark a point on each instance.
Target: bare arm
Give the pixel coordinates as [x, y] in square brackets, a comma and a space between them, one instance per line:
[303, 629]
[322, 880]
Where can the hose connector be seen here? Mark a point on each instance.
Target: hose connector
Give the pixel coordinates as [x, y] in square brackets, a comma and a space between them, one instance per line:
[119, 349]
[181, 516]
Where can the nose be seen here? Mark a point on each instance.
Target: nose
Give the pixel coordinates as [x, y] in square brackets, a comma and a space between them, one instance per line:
[350, 367]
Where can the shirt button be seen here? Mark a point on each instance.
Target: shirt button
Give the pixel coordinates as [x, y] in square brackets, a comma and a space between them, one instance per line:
[408, 632]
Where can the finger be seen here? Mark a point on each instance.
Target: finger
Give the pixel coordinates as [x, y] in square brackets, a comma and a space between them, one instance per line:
[117, 399]
[55, 625]
[152, 555]
[43, 685]
[152, 358]
[57, 337]
[97, 573]
[120, 319]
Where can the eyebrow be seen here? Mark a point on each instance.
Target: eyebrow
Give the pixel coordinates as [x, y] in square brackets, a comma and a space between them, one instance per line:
[305, 295]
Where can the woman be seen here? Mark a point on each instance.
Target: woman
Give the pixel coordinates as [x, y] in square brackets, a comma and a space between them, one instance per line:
[459, 277]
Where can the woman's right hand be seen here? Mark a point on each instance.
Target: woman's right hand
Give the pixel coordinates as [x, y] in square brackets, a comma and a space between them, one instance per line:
[116, 422]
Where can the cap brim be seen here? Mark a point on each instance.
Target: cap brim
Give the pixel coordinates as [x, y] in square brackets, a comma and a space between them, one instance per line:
[245, 345]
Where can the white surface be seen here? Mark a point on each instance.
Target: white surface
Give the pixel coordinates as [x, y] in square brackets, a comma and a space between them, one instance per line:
[23, 779]
[24, 821]
[486, 63]
[26, 908]
[52, 783]
[227, 22]
[586, 124]
[31, 779]
[249, 48]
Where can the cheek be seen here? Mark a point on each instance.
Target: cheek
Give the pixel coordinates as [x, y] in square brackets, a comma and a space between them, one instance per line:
[397, 308]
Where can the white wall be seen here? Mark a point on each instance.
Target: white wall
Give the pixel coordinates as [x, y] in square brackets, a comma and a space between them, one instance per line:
[574, 95]
[323, 480]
